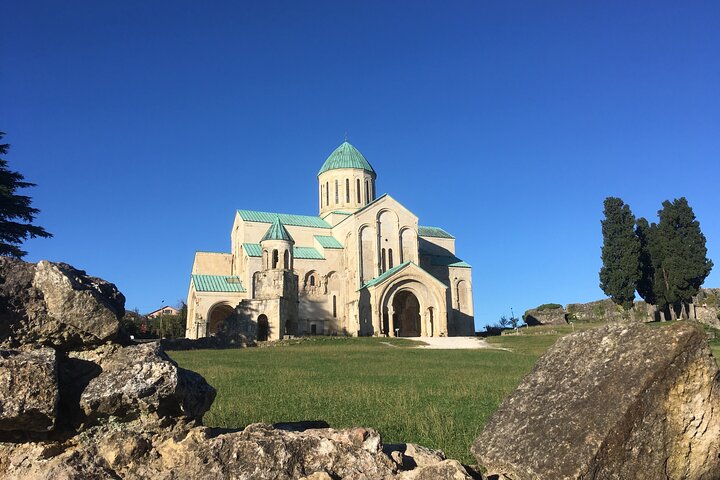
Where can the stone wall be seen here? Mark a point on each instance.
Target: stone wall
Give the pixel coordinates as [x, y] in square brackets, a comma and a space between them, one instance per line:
[608, 311]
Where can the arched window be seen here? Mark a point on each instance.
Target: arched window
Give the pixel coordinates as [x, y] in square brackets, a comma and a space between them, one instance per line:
[357, 190]
[312, 280]
[367, 191]
[337, 192]
[327, 193]
[382, 262]
[287, 259]
[390, 260]
[266, 260]
[274, 259]
[321, 195]
[347, 190]
[334, 306]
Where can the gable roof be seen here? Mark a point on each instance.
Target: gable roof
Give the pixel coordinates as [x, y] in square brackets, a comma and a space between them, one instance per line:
[218, 283]
[346, 156]
[388, 273]
[277, 231]
[285, 218]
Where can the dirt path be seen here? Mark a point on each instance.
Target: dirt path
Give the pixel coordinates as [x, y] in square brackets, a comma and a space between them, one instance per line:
[452, 343]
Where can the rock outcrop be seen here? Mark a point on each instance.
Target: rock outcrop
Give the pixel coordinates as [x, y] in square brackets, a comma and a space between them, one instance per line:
[548, 314]
[28, 390]
[142, 380]
[618, 402]
[75, 402]
[56, 305]
[608, 311]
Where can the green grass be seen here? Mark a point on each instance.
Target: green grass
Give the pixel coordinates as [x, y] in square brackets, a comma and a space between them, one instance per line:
[438, 398]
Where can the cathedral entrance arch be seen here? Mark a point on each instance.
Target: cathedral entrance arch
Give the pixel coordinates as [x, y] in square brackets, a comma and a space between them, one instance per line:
[217, 316]
[406, 314]
[263, 328]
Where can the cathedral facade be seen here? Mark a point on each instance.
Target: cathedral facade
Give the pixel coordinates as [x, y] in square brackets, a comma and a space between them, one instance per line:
[363, 266]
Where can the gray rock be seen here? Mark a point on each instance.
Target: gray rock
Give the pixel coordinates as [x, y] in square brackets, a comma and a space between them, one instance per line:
[446, 470]
[617, 402]
[608, 311]
[28, 390]
[545, 315]
[143, 380]
[56, 305]
[133, 451]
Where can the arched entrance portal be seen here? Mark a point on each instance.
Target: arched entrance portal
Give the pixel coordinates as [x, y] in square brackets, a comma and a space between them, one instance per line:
[263, 330]
[217, 317]
[406, 314]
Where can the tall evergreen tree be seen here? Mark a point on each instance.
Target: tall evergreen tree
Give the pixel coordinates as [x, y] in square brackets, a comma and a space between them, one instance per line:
[645, 232]
[679, 256]
[16, 214]
[620, 271]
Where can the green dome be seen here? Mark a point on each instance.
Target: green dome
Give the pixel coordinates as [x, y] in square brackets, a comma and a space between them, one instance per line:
[277, 231]
[346, 156]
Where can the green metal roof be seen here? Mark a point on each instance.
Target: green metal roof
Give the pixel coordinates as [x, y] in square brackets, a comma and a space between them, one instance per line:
[327, 241]
[302, 253]
[436, 232]
[346, 156]
[285, 218]
[252, 249]
[217, 283]
[388, 273]
[307, 253]
[277, 231]
[444, 261]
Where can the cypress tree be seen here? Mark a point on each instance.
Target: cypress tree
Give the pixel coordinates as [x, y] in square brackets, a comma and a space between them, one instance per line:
[620, 271]
[645, 286]
[679, 256]
[16, 214]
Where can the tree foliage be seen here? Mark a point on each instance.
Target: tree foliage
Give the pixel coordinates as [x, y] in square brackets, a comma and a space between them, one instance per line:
[16, 212]
[645, 233]
[678, 263]
[620, 270]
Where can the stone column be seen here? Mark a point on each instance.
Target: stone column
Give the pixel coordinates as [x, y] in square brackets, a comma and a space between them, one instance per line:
[391, 322]
[424, 319]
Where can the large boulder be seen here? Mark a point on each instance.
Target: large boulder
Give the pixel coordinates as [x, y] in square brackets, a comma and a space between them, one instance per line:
[142, 380]
[54, 304]
[28, 390]
[617, 402]
[547, 314]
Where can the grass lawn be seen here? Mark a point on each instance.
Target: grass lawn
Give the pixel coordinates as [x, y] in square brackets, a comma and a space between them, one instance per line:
[438, 398]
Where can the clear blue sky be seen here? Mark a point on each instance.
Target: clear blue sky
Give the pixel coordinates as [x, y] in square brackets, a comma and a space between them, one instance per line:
[146, 124]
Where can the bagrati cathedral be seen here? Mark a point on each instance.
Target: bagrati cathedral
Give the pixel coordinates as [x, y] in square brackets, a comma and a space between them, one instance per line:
[364, 266]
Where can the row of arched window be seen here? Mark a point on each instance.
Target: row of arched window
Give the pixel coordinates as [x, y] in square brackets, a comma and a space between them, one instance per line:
[386, 260]
[325, 192]
[273, 259]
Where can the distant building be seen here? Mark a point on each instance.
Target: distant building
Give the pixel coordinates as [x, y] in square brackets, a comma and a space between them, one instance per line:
[163, 311]
[364, 266]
